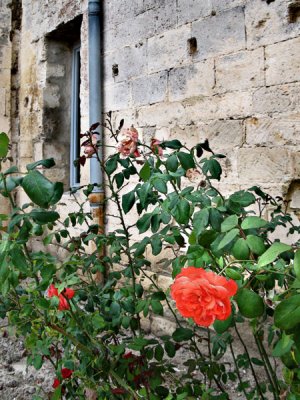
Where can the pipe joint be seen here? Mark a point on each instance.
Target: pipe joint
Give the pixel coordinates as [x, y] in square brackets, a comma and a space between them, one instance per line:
[94, 7]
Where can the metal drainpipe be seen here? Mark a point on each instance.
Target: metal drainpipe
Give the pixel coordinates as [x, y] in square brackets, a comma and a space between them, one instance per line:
[96, 198]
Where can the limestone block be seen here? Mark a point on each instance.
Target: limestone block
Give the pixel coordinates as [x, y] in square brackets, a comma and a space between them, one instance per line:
[2, 101]
[118, 11]
[223, 135]
[55, 70]
[5, 56]
[4, 122]
[5, 77]
[149, 89]
[129, 61]
[296, 164]
[276, 131]
[229, 105]
[25, 148]
[117, 96]
[268, 23]
[192, 80]
[283, 98]
[130, 32]
[263, 165]
[220, 34]
[191, 10]
[220, 5]
[164, 282]
[165, 16]
[52, 96]
[161, 326]
[241, 70]
[168, 50]
[283, 62]
[161, 115]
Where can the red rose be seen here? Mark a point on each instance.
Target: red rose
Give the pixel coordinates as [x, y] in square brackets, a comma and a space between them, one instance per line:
[66, 294]
[56, 383]
[66, 373]
[203, 296]
[118, 391]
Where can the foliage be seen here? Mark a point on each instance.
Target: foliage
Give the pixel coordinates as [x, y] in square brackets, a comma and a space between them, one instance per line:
[92, 332]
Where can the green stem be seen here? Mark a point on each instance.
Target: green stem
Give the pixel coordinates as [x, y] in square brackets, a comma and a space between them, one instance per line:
[237, 370]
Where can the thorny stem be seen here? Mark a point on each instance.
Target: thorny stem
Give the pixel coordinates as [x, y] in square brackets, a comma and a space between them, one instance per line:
[249, 360]
[237, 370]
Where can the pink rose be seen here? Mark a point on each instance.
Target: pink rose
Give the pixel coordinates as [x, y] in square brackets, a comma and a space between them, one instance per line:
[155, 147]
[128, 142]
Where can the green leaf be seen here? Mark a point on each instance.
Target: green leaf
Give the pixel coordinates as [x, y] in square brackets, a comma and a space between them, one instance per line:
[145, 172]
[222, 326]
[58, 190]
[297, 264]
[233, 274]
[44, 217]
[171, 144]
[186, 160]
[18, 259]
[156, 245]
[181, 334]
[172, 163]
[256, 244]
[128, 201]
[240, 249]
[159, 352]
[157, 308]
[229, 223]
[160, 185]
[119, 179]
[200, 220]
[228, 238]
[182, 212]
[4, 143]
[287, 313]
[250, 304]
[243, 198]
[283, 346]
[215, 218]
[253, 223]
[272, 253]
[48, 163]
[111, 164]
[143, 224]
[212, 169]
[170, 349]
[40, 190]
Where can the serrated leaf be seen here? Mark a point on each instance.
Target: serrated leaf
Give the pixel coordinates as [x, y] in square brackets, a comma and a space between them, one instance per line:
[186, 160]
[172, 163]
[243, 198]
[228, 238]
[145, 172]
[229, 223]
[253, 223]
[128, 201]
[182, 334]
[256, 244]
[160, 185]
[250, 304]
[272, 253]
[4, 143]
[287, 313]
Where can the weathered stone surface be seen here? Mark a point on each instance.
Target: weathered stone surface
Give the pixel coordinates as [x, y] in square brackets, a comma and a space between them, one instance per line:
[161, 326]
[117, 96]
[283, 98]
[283, 62]
[161, 115]
[220, 34]
[191, 10]
[268, 23]
[150, 89]
[192, 80]
[168, 50]
[264, 165]
[278, 131]
[241, 70]
[220, 5]
[129, 61]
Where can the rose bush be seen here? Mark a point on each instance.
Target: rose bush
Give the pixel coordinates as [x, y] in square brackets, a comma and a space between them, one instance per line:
[229, 276]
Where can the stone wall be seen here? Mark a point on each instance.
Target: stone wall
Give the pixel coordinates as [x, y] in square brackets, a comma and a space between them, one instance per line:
[226, 70]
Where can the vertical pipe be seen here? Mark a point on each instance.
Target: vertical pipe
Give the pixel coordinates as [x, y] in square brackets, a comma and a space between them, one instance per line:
[95, 115]
[95, 100]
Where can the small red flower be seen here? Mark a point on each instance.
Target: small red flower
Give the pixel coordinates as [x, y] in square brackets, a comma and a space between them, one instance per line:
[66, 373]
[56, 383]
[203, 296]
[66, 294]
